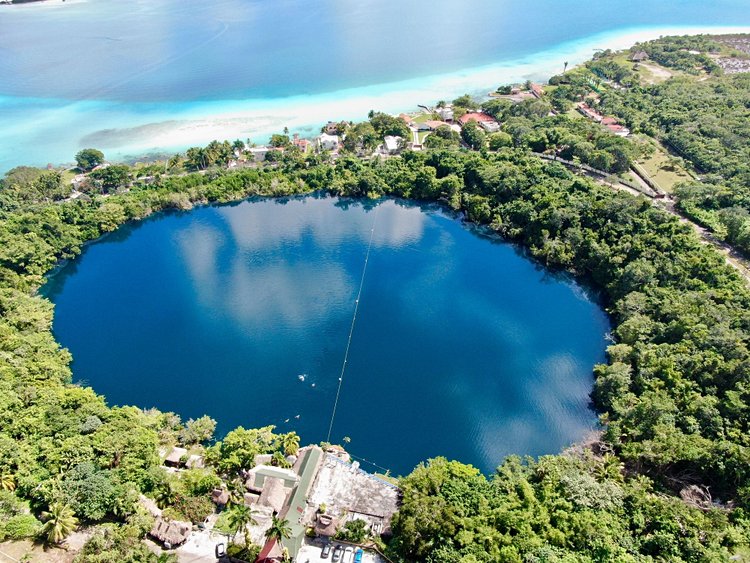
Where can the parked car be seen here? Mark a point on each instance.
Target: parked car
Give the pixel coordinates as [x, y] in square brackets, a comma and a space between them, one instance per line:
[326, 551]
[358, 556]
[337, 551]
[348, 555]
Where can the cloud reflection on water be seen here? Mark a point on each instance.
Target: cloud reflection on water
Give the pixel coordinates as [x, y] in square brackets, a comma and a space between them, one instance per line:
[271, 276]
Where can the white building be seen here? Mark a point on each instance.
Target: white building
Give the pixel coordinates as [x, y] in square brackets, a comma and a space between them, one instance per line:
[326, 142]
[490, 126]
[392, 144]
[445, 113]
[258, 153]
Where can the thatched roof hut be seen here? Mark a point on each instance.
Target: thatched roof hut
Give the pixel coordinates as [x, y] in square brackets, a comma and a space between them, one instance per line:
[195, 462]
[326, 525]
[150, 505]
[175, 457]
[639, 56]
[171, 532]
[220, 497]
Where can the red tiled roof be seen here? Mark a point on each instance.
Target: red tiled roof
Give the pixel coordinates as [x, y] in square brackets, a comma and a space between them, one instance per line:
[536, 89]
[475, 116]
[609, 121]
[270, 553]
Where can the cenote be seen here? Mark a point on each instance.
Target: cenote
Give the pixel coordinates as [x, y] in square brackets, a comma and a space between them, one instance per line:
[462, 346]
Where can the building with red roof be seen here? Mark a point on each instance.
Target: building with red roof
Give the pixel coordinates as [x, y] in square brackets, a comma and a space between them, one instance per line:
[486, 122]
[537, 90]
[271, 553]
[433, 124]
[301, 144]
[407, 119]
[589, 112]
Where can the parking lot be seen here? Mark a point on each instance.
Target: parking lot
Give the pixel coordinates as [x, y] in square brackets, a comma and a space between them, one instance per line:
[310, 553]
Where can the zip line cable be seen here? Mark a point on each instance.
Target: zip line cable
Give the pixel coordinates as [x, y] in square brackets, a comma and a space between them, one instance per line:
[383, 469]
[351, 328]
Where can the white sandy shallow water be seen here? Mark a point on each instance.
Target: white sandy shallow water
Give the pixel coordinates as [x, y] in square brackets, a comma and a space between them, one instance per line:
[48, 130]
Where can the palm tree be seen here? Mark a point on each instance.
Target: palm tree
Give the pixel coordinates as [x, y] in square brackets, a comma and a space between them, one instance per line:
[565, 66]
[61, 521]
[165, 494]
[240, 517]
[238, 146]
[7, 482]
[174, 161]
[610, 468]
[237, 491]
[290, 443]
[279, 529]
[279, 460]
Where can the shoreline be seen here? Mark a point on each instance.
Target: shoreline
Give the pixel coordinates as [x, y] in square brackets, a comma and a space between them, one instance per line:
[42, 3]
[126, 130]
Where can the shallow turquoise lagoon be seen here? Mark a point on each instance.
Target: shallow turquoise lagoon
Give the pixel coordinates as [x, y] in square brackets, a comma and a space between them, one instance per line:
[161, 75]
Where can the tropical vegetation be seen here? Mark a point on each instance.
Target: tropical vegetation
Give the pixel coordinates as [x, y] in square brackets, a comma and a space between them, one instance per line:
[669, 477]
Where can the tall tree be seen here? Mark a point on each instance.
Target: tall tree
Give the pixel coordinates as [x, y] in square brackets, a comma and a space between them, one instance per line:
[88, 159]
[279, 529]
[290, 443]
[240, 517]
[473, 135]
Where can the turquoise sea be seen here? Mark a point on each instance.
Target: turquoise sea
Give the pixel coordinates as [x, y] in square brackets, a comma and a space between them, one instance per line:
[462, 346]
[154, 75]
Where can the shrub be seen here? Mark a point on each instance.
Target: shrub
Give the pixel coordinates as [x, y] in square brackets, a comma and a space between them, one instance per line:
[20, 527]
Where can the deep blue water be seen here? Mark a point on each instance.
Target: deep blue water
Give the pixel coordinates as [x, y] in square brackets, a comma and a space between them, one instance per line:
[462, 346]
[154, 75]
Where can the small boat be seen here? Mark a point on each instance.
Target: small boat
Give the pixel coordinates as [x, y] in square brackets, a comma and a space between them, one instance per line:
[302, 376]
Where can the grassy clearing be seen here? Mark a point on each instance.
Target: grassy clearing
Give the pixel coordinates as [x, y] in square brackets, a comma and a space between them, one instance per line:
[421, 117]
[652, 73]
[659, 169]
[67, 176]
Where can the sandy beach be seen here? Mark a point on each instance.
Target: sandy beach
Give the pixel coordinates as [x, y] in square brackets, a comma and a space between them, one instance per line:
[125, 130]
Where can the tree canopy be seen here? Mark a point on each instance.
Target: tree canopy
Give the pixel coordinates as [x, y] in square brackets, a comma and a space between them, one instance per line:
[673, 395]
[88, 159]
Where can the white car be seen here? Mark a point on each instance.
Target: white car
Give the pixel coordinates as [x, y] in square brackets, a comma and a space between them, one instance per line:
[348, 555]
